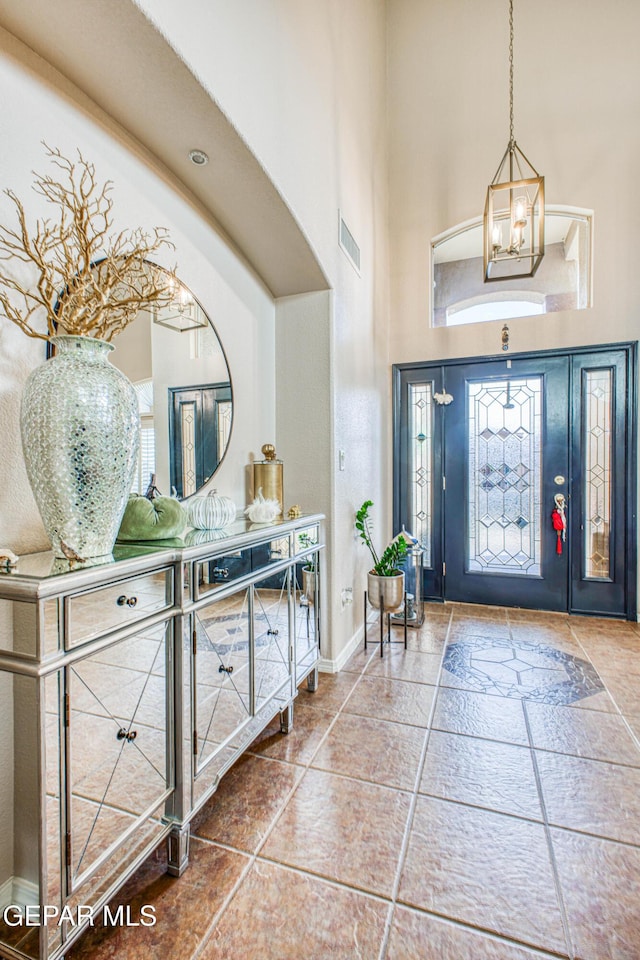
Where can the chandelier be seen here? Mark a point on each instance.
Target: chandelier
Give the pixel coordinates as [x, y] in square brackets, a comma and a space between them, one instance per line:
[514, 208]
[182, 313]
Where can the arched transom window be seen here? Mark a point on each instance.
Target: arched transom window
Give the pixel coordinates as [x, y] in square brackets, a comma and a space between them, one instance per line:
[562, 282]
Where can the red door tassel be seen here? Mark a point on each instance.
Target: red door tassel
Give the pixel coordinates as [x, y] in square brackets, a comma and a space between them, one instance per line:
[558, 522]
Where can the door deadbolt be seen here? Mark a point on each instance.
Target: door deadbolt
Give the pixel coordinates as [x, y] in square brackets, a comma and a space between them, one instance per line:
[559, 480]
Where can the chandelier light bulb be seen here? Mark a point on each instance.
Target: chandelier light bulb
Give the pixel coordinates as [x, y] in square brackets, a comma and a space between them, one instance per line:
[520, 211]
[517, 238]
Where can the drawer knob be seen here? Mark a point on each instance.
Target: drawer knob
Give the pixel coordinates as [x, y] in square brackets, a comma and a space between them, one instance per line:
[126, 601]
[128, 735]
[223, 669]
[220, 573]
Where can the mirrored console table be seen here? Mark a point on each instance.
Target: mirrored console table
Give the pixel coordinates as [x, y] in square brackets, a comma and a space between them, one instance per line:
[127, 689]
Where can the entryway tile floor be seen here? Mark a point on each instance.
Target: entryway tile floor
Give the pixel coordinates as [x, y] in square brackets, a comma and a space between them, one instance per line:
[476, 797]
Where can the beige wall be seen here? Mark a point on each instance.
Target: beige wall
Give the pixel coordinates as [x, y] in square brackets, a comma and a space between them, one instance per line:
[304, 83]
[37, 108]
[577, 118]
[577, 113]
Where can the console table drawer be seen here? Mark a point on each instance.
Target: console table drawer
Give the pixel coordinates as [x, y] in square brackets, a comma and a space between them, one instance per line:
[211, 574]
[96, 612]
[266, 554]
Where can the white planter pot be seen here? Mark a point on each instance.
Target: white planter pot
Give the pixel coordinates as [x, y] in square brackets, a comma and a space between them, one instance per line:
[309, 584]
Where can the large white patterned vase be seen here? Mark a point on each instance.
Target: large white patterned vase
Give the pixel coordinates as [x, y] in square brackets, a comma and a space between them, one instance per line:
[80, 433]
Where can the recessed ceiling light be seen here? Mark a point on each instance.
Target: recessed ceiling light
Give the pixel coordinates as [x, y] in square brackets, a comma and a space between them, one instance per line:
[199, 157]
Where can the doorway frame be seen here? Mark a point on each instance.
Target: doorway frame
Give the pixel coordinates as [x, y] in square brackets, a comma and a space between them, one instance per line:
[630, 480]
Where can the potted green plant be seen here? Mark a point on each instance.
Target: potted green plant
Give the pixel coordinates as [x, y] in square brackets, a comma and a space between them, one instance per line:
[309, 568]
[385, 584]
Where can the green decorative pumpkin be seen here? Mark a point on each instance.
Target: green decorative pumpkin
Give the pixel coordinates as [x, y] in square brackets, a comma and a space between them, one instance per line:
[160, 519]
[212, 512]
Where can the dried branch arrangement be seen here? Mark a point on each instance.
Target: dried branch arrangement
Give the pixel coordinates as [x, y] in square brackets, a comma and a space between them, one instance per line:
[88, 281]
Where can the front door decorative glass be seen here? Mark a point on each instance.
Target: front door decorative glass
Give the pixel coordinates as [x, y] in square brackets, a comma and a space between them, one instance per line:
[597, 387]
[504, 419]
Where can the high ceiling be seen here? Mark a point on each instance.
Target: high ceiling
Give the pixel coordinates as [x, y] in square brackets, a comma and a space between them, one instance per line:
[113, 54]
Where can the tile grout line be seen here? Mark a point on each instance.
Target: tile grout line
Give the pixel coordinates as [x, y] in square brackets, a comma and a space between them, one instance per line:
[254, 856]
[414, 800]
[304, 767]
[330, 881]
[547, 832]
[477, 806]
[252, 860]
[636, 739]
[308, 765]
[206, 937]
[547, 953]
[595, 836]
[486, 932]
[618, 711]
[583, 756]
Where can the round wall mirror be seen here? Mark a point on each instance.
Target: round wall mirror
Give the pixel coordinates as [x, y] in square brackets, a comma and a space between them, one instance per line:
[174, 358]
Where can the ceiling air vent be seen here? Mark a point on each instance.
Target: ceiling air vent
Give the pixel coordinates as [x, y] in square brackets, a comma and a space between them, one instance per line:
[349, 245]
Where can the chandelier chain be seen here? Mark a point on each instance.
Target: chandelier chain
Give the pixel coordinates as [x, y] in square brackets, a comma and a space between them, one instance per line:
[511, 138]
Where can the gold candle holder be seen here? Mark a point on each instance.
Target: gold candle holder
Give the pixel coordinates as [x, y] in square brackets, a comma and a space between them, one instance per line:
[268, 476]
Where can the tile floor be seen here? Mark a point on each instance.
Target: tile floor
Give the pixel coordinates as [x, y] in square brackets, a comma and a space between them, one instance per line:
[476, 797]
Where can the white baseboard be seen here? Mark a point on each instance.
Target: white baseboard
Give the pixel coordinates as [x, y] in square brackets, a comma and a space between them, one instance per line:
[18, 891]
[6, 891]
[334, 666]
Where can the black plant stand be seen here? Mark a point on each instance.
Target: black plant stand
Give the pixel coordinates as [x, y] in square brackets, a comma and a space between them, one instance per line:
[388, 616]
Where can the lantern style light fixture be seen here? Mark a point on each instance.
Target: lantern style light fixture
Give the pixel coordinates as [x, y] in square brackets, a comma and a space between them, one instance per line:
[182, 313]
[514, 209]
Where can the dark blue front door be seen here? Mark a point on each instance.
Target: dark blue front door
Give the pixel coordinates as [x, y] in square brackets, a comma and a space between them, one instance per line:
[515, 474]
[195, 446]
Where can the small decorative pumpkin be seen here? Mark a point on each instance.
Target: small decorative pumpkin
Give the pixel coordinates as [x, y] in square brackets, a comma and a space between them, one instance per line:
[212, 512]
[160, 519]
[262, 510]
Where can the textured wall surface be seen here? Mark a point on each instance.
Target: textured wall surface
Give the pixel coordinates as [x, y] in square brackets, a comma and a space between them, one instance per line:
[244, 314]
[305, 85]
[577, 107]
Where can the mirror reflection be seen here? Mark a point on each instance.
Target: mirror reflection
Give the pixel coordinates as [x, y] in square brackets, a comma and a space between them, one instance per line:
[174, 359]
